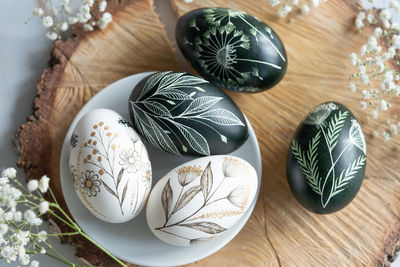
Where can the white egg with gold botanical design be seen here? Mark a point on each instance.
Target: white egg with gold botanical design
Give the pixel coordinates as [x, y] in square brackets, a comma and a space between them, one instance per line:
[200, 199]
[110, 167]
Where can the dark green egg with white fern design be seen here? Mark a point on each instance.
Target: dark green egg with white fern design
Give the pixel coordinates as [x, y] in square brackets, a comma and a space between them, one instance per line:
[232, 49]
[327, 159]
[186, 115]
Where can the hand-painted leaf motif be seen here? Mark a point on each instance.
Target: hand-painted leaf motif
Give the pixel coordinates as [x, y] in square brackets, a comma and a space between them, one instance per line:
[169, 80]
[157, 108]
[221, 117]
[334, 128]
[348, 174]
[308, 162]
[206, 181]
[121, 172]
[151, 82]
[174, 94]
[166, 198]
[206, 227]
[124, 193]
[201, 104]
[110, 190]
[194, 138]
[163, 140]
[189, 81]
[187, 197]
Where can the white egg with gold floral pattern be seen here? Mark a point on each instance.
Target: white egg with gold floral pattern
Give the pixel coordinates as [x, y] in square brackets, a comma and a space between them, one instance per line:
[110, 166]
[201, 199]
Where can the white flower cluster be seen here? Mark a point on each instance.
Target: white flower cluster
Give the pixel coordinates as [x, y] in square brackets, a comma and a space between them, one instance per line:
[58, 16]
[285, 7]
[377, 62]
[18, 241]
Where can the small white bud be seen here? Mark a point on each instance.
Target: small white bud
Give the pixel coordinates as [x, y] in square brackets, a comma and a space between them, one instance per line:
[32, 185]
[43, 207]
[37, 12]
[102, 5]
[352, 87]
[305, 9]
[72, 20]
[48, 21]
[63, 26]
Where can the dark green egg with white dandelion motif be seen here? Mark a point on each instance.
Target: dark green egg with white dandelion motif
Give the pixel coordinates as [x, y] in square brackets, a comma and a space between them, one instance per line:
[327, 159]
[232, 49]
[186, 115]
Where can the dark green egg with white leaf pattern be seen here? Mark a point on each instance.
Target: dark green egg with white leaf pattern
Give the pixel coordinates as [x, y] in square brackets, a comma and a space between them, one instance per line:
[327, 159]
[232, 49]
[186, 115]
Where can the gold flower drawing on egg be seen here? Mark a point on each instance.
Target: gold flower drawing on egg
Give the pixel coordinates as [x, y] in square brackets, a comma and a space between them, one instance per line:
[238, 197]
[106, 155]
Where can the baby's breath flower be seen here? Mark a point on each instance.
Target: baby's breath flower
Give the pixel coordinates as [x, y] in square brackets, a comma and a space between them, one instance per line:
[396, 40]
[48, 21]
[396, 6]
[54, 11]
[374, 114]
[52, 35]
[24, 260]
[305, 9]
[38, 12]
[352, 87]
[34, 263]
[44, 184]
[17, 216]
[42, 251]
[63, 26]
[3, 228]
[370, 18]
[383, 105]
[386, 135]
[8, 216]
[87, 27]
[9, 172]
[295, 2]
[3, 181]
[378, 32]
[188, 1]
[32, 185]
[385, 15]
[29, 216]
[363, 105]
[43, 207]
[9, 253]
[274, 2]
[102, 5]
[72, 20]
[42, 236]
[314, 3]
[359, 23]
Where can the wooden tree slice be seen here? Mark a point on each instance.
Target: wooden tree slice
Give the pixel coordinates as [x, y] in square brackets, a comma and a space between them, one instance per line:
[80, 67]
[280, 231]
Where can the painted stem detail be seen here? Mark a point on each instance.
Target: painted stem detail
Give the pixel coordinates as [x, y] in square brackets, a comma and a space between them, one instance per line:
[330, 132]
[238, 197]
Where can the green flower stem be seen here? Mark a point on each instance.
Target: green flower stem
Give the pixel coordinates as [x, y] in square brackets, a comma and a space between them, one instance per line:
[104, 250]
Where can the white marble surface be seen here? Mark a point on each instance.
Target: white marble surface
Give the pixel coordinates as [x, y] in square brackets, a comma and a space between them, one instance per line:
[24, 52]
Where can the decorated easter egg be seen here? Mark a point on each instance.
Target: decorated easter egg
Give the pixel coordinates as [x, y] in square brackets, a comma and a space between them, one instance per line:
[184, 114]
[232, 49]
[327, 159]
[110, 166]
[201, 199]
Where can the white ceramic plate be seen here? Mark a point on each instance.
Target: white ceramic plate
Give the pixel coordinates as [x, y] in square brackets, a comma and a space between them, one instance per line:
[133, 241]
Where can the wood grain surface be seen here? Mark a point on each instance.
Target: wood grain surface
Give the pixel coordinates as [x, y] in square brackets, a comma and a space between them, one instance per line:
[280, 232]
